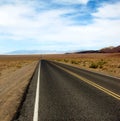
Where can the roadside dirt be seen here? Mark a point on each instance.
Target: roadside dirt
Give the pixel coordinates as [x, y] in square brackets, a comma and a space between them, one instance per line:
[15, 75]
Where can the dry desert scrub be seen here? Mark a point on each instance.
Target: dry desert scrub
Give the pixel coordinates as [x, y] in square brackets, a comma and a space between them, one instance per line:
[104, 63]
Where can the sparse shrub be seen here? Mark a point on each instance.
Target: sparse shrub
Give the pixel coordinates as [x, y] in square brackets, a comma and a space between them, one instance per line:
[74, 62]
[58, 60]
[101, 63]
[79, 61]
[100, 66]
[84, 63]
[114, 71]
[18, 66]
[93, 65]
[66, 61]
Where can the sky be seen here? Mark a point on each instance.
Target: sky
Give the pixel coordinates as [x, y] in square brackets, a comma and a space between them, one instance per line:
[60, 25]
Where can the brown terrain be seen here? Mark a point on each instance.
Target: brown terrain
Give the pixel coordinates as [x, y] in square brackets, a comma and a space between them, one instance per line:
[16, 71]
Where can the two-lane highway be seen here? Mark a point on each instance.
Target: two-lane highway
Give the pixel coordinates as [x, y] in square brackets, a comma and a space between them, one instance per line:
[70, 94]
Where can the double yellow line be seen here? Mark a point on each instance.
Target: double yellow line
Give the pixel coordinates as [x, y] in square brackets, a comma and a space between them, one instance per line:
[91, 83]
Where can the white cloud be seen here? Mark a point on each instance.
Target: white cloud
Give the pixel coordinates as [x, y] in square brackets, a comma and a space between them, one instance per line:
[71, 1]
[108, 11]
[21, 22]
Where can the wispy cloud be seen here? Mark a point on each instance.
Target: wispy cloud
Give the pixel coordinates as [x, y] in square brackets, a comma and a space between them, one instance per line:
[71, 1]
[66, 24]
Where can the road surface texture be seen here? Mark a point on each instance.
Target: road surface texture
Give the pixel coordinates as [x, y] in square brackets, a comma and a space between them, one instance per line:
[70, 94]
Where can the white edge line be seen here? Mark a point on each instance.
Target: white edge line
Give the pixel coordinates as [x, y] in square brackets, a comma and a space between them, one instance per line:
[36, 107]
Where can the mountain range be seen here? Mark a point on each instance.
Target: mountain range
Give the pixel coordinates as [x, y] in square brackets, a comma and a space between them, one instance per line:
[110, 49]
[22, 52]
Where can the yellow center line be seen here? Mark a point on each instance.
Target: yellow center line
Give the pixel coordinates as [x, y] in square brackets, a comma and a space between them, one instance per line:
[91, 83]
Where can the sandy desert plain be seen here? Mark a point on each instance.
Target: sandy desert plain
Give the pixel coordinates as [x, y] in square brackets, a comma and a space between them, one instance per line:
[16, 72]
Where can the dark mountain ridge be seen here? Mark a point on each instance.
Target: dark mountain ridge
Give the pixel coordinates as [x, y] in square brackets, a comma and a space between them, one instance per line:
[110, 49]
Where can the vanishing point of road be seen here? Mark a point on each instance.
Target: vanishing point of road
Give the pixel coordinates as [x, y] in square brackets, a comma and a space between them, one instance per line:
[59, 92]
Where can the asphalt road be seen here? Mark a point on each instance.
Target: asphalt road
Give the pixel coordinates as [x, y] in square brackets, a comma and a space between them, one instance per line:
[70, 94]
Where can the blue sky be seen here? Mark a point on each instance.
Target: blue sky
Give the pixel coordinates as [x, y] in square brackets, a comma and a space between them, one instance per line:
[60, 25]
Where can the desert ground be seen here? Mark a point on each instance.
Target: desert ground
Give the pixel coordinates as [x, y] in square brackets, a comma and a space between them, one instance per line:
[16, 71]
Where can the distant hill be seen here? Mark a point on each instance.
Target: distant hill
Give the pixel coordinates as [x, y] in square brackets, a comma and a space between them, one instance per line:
[88, 51]
[22, 52]
[110, 49]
